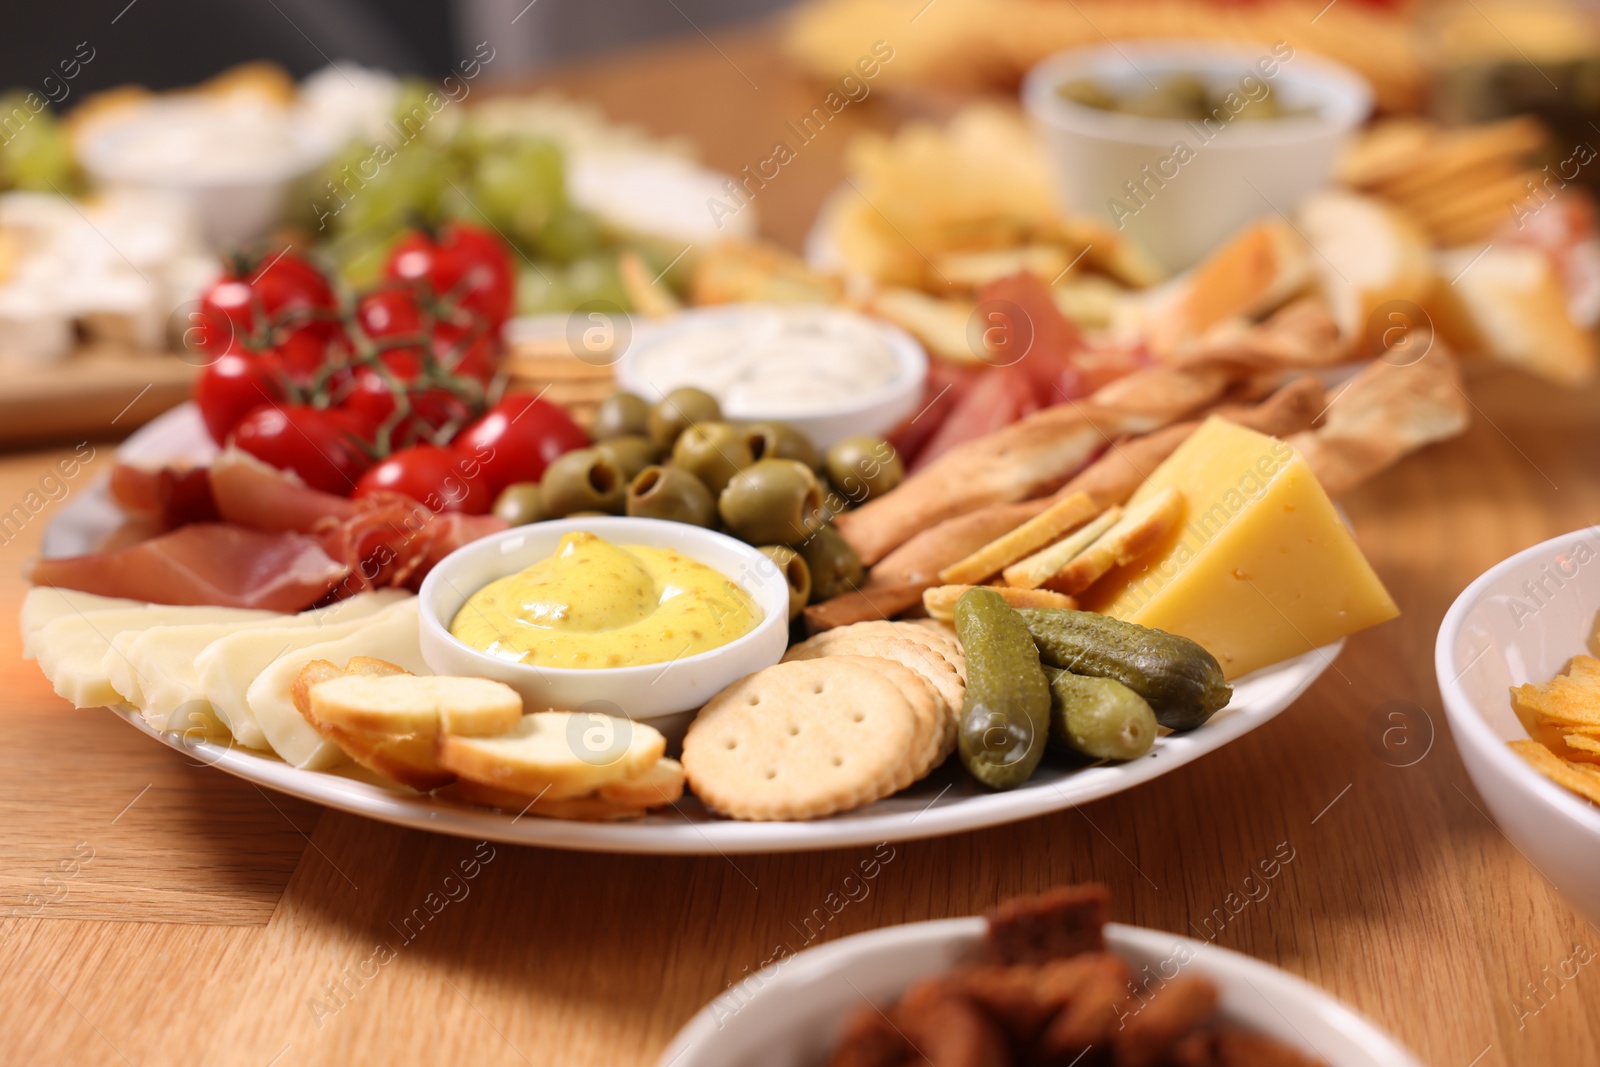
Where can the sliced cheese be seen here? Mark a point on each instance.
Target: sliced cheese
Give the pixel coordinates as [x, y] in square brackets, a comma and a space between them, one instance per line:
[72, 649]
[157, 669]
[225, 668]
[390, 634]
[44, 604]
[1259, 569]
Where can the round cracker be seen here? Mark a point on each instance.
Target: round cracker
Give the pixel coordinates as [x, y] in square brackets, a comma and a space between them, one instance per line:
[799, 740]
[907, 646]
[933, 717]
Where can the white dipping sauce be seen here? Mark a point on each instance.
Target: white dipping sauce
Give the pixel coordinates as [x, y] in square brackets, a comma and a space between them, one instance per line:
[773, 361]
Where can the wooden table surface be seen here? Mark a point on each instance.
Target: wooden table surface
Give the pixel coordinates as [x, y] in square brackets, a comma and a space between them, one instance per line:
[158, 912]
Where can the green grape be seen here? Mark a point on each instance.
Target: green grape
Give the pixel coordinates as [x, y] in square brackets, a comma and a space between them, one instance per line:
[543, 289]
[570, 234]
[360, 261]
[663, 254]
[596, 278]
[518, 185]
[36, 153]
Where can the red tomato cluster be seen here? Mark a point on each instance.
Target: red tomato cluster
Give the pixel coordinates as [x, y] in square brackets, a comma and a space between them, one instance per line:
[392, 393]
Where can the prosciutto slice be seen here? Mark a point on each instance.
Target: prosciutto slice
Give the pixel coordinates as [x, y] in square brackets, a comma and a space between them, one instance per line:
[204, 563]
[391, 540]
[163, 497]
[249, 493]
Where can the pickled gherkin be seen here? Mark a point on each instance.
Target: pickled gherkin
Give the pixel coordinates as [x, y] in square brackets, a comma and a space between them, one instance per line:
[1005, 719]
[1099, 717]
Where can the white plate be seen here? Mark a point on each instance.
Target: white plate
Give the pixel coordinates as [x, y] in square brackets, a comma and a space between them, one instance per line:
[946, 802]
[788, 1015]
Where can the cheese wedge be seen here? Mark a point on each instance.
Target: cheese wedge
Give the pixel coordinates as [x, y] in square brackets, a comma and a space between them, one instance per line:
[45, 604]
[157, 669]
[72, 649]
[225, 668]
[1260, 568]
[390, 634]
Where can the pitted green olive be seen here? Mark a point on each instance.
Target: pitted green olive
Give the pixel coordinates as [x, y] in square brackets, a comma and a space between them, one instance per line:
[779, 440]
[631, 453]
[621, 415]
[673, 494]
[519, 504]
[679, 410]
[864, 468]
[585, 479]
[713, 452]
[835, 567]
[794, 570]
[771, 502]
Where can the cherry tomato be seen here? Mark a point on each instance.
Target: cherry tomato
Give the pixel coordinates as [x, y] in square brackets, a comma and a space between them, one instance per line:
[389, 312]
[518, 438]
[233, 385]
[440, 478]
[307, 350]
[465, 266]
[257, 293]
[477, 358]
[323, 447]
[371, 399]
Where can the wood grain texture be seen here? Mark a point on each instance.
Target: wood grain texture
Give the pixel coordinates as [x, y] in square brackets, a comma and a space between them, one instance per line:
[1392, 890]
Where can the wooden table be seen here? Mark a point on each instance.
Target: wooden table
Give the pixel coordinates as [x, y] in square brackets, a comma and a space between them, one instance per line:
[215, 923]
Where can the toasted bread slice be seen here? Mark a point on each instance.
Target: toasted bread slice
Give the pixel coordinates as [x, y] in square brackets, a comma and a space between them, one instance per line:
[1370, 254]
[404, 704]
[590, 807]
[1254, 273]
[1056, 520]
[1140, 529]
[321, 670]
[1034, 571]
[940, 601]
[661, 784]
[559, 754]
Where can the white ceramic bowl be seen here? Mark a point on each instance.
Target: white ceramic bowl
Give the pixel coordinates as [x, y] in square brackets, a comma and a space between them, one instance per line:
[788, 1015]
[873, 412]
[663, 693]
[1520, 622]
[1247, 169]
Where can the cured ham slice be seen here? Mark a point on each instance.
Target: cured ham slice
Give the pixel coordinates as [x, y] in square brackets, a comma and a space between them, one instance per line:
[391, 540]
[164, 497]
[204, 563]
[252, 494]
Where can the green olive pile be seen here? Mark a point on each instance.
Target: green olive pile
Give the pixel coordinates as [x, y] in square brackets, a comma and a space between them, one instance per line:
[762, 482]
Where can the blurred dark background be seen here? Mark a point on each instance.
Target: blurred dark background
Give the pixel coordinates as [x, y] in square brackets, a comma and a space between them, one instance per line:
[168, 43]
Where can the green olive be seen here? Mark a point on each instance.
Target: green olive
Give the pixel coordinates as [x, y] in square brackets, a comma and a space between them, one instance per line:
[673, 494]
[713, 452]
[835, 567]
[585, 479]
[621, 415]
[771, 502]
[631, 453]
[795, 572]
[779, 440]
[520, 504]
[677, 411]
[863, 468]
[591, 514]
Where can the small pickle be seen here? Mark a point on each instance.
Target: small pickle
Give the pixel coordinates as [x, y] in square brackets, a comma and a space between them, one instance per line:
[519, 504]
[584, 479]
[671, 494]
[771, 502]
[631, 453]
[1005, 719]
[621, 415]
[835, 567]
[779, 440]
[677, 411]
[713, 452]
[864, 468]
[1181, 681]
[795, 572]
[1099, 717]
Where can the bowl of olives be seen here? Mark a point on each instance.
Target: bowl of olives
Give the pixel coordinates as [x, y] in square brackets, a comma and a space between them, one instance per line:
[1179, 143]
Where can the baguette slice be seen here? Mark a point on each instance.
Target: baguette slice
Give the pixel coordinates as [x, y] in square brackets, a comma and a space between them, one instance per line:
[1034, 571]
[591, 807]
[559, 754]
[1140, 529]
[401, 704]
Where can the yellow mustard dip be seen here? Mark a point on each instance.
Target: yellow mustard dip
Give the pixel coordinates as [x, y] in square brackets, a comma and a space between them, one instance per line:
[594, 604]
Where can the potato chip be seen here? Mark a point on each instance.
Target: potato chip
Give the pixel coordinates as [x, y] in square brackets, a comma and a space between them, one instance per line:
[1584, 781]
[1564, 699]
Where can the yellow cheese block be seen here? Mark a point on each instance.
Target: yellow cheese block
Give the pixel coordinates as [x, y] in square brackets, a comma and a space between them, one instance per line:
[1260, 568]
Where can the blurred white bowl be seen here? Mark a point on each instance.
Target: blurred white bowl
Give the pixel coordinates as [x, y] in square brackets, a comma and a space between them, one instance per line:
[789, 1014]
[1521, 621]
[664, 693]
[1248, 169]
[745, 329]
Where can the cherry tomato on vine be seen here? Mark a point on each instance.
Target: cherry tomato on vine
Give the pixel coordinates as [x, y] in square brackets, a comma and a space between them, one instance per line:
[372, 399]
[389, 312]
[465, 266]
[259, 291]
[439, 478]
[323, 447]
[518, 438]
[233, 385]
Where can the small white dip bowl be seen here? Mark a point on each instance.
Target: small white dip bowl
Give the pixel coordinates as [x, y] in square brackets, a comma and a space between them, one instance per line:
[871, 411]
[1244, 170]
[1521, 621]
[665, 694]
